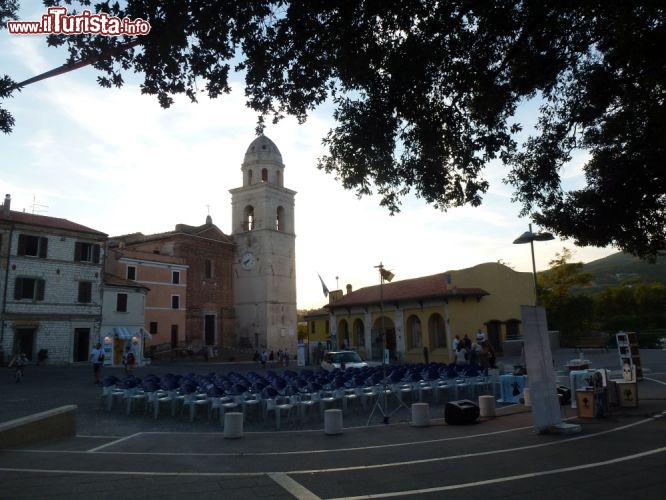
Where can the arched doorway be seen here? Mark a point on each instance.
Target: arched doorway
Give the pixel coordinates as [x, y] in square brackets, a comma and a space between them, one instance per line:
[378, 339]
[494, 328]
[343, 335]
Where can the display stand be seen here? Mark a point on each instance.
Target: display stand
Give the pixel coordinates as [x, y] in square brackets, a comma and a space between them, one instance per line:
[627, 393]
[585, 403]
[630, 357]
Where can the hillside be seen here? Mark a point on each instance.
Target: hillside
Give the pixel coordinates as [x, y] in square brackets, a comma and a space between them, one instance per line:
[622, 268]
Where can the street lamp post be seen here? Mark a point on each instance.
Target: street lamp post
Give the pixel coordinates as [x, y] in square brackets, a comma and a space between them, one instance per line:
[538, 356]
[530, 237]
[381, 403]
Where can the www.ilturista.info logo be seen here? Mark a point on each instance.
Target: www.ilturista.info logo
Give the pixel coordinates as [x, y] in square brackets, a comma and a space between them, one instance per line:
[56, 21]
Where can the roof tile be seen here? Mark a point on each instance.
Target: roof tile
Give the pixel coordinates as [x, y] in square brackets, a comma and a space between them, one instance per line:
[425, 287]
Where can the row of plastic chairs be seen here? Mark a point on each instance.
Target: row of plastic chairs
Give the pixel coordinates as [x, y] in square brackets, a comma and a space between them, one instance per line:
[290, 392]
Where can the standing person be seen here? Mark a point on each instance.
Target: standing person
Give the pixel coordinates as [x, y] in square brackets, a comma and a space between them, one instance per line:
[97, 359]
[131, 358]
[456, 343]
[19, 361]
[286, 357]
[474, 354]
[125, 359]
[461, 355]
[492, 358]
[484, 357]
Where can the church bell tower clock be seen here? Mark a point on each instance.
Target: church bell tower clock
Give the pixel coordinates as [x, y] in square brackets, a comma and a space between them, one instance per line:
[264, 267]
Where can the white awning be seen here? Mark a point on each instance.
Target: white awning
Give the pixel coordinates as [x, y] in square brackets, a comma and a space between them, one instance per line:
[123, 332]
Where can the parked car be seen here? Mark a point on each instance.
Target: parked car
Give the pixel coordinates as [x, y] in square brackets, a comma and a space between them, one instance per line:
[342, 359]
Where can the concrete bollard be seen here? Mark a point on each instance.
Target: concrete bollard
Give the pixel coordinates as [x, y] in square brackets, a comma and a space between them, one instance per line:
[333, 421]
[233, 425]
[527, 397]
[487, 406]
[420, 414]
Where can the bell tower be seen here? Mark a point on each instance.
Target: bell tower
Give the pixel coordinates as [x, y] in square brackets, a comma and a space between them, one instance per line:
[264, 267]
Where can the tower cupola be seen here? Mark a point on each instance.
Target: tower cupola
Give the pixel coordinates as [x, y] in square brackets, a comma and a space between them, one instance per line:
[262, 163]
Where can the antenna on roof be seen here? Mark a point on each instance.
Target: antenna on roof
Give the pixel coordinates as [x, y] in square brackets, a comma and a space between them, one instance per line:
[36, 207]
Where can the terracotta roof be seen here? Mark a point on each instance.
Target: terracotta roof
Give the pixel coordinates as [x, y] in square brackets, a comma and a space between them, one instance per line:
[130, 253]
[46, 222]
[208, 230]
[113, 280]
[425, 287]
[316, 313]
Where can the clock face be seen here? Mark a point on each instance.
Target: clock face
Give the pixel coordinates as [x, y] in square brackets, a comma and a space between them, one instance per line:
[248, 260]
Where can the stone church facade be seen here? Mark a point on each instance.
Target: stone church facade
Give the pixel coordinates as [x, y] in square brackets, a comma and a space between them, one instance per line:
[240, 289]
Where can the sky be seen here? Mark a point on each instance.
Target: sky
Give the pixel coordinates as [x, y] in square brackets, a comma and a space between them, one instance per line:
[113, 160]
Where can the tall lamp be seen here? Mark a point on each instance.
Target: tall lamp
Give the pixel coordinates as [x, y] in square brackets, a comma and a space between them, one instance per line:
[381, 404]
[545, 404]
[530, 237]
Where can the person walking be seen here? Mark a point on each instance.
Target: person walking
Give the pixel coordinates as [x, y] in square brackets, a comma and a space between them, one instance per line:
[19, 361]
[97, 360]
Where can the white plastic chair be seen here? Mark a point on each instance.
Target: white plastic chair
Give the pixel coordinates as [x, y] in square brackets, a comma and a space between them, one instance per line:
[194, 401]
[222, 405]
[327, 399]
[278, 405]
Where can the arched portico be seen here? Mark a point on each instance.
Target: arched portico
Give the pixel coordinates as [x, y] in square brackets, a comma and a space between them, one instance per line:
[378, 339]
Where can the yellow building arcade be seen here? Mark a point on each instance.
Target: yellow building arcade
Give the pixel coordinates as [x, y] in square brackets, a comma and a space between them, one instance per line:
[419, 318]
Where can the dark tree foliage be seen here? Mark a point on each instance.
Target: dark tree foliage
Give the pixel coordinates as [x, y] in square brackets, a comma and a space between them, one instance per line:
[8, 10]
[425, 93]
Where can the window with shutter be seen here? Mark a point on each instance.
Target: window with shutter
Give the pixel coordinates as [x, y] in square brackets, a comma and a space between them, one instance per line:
[32, 246]
[29, 288]
[86, 252]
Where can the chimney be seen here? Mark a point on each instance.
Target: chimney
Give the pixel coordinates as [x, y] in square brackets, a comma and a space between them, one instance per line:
[349, 289]
[7, 205]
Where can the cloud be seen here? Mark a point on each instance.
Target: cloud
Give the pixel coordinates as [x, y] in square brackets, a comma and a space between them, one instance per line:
[113, 160]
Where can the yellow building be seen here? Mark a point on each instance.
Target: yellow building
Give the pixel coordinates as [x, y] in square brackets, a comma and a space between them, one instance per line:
[318, 333]
[421, 316]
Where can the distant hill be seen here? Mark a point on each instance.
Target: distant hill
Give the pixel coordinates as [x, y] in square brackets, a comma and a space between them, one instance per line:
[623, 268]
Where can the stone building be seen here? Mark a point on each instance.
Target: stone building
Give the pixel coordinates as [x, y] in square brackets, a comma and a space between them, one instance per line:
[264, 267]
[51, 273]
[201, 257]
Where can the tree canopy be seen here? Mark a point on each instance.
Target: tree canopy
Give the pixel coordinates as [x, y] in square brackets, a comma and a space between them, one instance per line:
[425, 94]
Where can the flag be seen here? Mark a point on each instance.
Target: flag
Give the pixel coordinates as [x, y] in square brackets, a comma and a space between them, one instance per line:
[324, 288]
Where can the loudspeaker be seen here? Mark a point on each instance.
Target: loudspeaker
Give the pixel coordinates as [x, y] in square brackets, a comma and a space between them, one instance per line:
[564, 394]
[461, 412]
